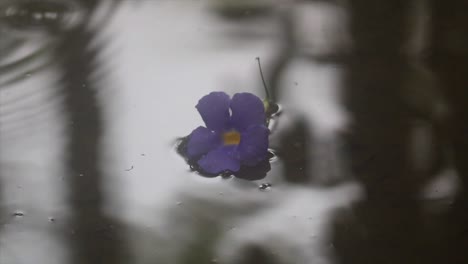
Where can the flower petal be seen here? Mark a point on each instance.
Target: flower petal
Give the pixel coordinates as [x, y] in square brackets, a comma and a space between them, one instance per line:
[247, 109]
[219, 160]
[214, 110]
[201, 141]
[253, 147]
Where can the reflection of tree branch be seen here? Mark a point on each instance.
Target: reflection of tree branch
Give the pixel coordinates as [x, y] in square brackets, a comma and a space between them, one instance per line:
[94, 237]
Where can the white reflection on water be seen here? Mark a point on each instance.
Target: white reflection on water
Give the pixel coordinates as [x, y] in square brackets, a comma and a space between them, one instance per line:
[163, 66]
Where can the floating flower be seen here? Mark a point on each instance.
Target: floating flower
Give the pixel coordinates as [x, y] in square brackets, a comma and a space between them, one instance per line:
[235, 134]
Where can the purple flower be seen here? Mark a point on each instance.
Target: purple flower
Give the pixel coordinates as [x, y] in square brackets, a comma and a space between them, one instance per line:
[235, 133]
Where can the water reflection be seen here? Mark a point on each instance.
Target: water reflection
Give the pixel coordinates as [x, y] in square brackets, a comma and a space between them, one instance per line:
[390, 93]
[90, 106]
[96, 238]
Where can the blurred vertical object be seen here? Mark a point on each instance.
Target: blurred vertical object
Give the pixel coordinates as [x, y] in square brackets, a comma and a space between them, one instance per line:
[93, 236]
[379, 139]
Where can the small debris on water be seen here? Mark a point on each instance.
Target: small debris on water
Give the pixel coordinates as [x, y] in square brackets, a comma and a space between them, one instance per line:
[131, 168]
[264, 187]
[18, 213]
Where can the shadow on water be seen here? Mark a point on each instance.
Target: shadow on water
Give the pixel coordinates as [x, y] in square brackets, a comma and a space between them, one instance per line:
[390, 225]
[93, 236]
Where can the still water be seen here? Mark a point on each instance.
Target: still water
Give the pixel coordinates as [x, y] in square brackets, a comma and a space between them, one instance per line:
[369, 148]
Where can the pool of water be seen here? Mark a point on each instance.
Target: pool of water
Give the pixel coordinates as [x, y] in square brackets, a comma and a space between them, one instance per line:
[368, 149]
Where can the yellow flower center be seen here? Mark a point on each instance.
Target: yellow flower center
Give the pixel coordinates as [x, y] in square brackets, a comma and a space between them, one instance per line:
[231, 138]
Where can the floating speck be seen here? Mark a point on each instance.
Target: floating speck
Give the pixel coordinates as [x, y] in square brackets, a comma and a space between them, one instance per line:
[264, 187]
[18, 213]
[51, 219]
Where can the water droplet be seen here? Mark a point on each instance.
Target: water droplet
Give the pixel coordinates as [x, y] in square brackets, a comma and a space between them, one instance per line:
[18, 213]
[264, 187]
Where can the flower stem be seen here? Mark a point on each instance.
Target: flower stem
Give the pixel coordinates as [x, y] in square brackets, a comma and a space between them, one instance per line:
[267, 92]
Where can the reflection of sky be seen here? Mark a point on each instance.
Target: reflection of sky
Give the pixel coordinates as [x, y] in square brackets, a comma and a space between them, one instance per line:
[160, 75]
